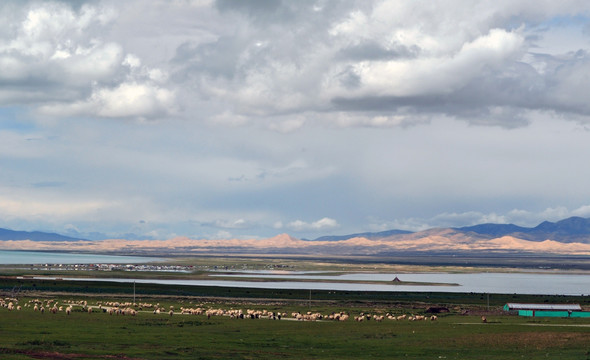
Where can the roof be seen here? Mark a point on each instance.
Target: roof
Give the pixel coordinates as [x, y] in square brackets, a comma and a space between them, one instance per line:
[515, 306]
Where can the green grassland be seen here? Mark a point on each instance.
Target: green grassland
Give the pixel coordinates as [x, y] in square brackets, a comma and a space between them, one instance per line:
[27, 334]
[458, 334]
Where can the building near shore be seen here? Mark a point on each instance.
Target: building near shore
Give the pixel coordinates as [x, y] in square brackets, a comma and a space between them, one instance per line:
[547, 310]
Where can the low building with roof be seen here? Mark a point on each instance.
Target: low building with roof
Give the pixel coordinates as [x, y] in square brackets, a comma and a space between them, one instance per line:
[563, 307]
[547, 310]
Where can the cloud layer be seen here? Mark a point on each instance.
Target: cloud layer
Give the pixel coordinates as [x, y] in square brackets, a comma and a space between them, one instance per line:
[206, 118]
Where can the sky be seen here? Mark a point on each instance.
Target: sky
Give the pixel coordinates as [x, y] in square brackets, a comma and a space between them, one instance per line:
[247, 119]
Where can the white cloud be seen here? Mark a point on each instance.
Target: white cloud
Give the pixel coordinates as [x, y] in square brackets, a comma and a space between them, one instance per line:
[518, 217]
[583, 211]
[468, 218]
[322, 224]
[385, 60]
[554, 214]
[281, 110]
[382, 59]
[126, 100]
[97, 63]
[353, 119]
[232, 224]
[438, 75]
[53, 49]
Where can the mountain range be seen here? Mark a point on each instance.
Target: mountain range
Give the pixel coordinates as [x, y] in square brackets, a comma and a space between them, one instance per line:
[569, 236]
[573, 229]
[6, 234]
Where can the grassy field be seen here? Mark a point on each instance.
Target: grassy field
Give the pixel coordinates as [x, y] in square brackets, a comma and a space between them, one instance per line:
[27, 334]
[458, 334]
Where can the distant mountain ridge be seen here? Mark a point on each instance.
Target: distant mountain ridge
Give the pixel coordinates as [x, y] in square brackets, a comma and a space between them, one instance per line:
[573, 229]
[569, 236]
[6, 234]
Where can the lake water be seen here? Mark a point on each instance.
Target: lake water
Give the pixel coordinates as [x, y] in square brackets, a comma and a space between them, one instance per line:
[492, 283]
[40, 257]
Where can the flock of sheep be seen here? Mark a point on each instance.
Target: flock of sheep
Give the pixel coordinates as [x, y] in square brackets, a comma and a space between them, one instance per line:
[132, 309]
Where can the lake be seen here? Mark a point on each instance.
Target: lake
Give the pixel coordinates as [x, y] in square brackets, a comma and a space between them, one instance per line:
[10, 257]
[491, 283]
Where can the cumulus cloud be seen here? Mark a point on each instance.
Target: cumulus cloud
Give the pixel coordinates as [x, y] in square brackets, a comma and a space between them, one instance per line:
[518, 217]
[470, 217]
[57, 51]
[385, 60]
[442, 74]
[231, 224]
[125, 100]
[322, 224]
[282, 110]
[391, 63]
[583, 211]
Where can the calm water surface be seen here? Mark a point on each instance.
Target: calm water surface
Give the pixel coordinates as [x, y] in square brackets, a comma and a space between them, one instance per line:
[40, 257]
[492, 283]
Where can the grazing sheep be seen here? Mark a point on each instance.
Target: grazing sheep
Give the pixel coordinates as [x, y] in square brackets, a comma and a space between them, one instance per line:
[484, 319]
